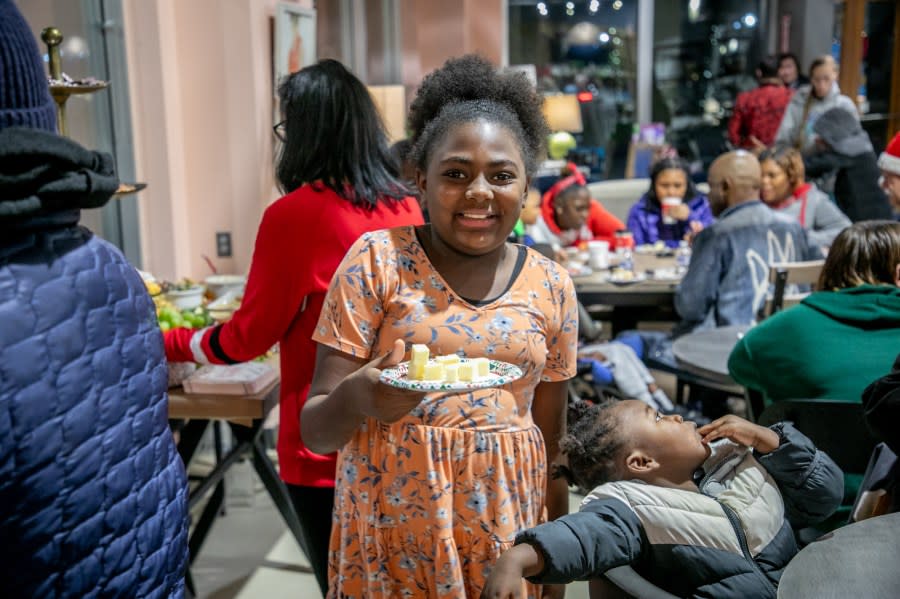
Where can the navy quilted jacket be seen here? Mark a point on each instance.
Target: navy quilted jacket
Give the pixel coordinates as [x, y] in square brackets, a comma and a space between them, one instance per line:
[93, 495]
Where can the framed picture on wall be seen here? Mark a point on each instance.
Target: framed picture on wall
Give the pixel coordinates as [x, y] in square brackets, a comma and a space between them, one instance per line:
[295, 39]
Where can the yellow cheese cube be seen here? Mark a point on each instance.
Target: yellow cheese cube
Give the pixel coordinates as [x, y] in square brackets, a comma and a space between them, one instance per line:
[451, 373]
[417, 360]
[466, 371]
[416, 371]
[448, 359]
[482, 367]
[434, 371]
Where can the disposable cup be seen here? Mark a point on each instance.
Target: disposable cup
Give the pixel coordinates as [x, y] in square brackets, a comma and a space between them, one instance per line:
[667, 205]
[599, 254]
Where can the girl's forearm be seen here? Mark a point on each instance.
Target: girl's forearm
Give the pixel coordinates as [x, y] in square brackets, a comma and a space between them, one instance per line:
[329, 421]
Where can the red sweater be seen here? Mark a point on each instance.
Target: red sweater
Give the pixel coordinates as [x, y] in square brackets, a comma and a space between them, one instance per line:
[301, 241]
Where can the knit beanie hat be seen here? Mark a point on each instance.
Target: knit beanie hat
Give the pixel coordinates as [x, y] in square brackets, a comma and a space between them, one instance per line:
[842, 130]
[24, 96]
[890, 159]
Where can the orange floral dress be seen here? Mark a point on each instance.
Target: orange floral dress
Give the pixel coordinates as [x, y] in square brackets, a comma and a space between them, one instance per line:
[425, 506]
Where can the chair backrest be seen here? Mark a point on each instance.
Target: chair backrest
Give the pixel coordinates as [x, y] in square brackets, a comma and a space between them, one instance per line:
[836, 427]
[619, 195]
[782, 274]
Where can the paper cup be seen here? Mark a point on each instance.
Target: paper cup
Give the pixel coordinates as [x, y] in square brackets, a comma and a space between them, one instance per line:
[667, 204]
[599, 254]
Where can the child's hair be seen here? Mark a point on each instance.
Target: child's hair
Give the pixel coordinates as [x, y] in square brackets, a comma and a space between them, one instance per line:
[591, 444]
[865, 253]
[468, 89]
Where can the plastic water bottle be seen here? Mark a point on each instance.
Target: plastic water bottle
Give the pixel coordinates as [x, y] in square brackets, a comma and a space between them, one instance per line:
[626, 260]
[682, 257]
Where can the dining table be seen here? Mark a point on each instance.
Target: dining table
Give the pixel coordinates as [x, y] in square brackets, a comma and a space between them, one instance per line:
[857, 560]
[704, 353]
[245, 414]
[650, 296]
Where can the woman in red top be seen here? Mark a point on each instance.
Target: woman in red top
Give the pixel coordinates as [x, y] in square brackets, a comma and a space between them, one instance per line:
[340, 182]
[570, 216]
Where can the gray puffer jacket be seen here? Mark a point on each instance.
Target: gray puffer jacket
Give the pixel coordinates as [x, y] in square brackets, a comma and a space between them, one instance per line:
[732, 539]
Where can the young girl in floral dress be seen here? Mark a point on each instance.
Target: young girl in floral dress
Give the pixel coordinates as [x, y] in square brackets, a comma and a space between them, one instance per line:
[431, 489]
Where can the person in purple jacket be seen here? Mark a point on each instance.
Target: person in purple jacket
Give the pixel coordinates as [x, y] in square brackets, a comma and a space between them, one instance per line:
[669, 180]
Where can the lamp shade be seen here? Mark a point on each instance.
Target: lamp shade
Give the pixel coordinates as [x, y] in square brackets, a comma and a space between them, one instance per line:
[563, 113]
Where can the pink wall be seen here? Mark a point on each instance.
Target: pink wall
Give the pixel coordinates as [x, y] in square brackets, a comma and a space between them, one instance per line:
[201, 88]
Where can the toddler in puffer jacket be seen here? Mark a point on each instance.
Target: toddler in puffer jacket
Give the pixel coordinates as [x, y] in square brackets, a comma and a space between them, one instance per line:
[698, 512]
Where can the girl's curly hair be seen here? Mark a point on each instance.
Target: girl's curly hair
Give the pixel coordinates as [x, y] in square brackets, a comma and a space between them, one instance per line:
[470, 88]
[591, 444]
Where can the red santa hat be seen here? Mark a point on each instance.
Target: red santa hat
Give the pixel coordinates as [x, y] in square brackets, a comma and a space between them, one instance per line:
[890, 158]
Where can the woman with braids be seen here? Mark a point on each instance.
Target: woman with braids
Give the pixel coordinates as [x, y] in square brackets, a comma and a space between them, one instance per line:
[432, 488]
[699, 512]
[570, 216]
[340, 181]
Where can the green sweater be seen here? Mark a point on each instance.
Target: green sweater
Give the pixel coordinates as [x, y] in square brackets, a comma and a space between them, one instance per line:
[831, 346]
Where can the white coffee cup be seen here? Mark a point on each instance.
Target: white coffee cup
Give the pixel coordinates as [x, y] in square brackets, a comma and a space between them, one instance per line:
[599, 254]
[667, 205]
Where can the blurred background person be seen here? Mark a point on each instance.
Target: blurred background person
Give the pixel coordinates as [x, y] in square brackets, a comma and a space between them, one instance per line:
[784, 188]
[809, 103]
[570, 216]
[845, 153]
[649, 221]
[93, 494]
[839, 338]
[789, 71]
[340, 181]
[889, 163]
[758, 112]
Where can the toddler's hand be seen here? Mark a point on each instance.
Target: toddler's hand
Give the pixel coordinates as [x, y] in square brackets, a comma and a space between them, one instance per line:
[740, 431]
[505, 579]
[380, 401]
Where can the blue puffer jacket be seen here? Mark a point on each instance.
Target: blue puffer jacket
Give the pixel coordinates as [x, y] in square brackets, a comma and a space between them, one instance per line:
[93, 494]
[730, 540]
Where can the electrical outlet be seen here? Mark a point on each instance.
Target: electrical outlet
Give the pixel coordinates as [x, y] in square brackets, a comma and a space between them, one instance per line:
[223, 244]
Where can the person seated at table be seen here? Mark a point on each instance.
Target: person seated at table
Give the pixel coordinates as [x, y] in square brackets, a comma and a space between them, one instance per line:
[702, 512]
[838, 339]
[93, 493]
[340, 181]
[570, 216]
[889, 163]
[649, 220]
[784, 188]
[728, 277]
[881, 405]
[844, 149]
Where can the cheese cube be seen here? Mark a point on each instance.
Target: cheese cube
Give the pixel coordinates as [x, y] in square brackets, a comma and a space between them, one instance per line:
[451, 373]
[448, 359]
[466, 371]
[434, 371]
[482, 367]
[417, 360]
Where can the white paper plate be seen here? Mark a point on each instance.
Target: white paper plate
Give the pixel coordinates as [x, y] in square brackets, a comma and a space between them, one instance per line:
[500, 374]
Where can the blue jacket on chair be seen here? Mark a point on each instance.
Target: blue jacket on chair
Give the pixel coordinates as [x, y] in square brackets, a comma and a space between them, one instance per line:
[93, 494]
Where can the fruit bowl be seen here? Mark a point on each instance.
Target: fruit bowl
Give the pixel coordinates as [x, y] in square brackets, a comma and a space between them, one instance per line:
[186, 299]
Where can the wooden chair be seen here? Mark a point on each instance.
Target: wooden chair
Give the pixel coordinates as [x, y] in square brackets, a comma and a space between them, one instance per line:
[782, 274]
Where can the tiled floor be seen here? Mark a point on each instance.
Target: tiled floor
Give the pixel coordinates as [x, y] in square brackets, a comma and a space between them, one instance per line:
[249, 555]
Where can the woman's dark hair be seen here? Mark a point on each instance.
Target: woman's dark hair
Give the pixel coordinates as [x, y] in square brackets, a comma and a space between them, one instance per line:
[664, 164]
[866, 252]
[789, 56]
[334, 136]
[468, 89]
[789, 159]
[591, 444]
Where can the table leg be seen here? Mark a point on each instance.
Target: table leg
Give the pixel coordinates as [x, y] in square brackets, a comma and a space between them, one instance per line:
[277, 491]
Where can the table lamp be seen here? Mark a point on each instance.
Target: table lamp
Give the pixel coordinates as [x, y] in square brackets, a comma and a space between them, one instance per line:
[563, 114]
